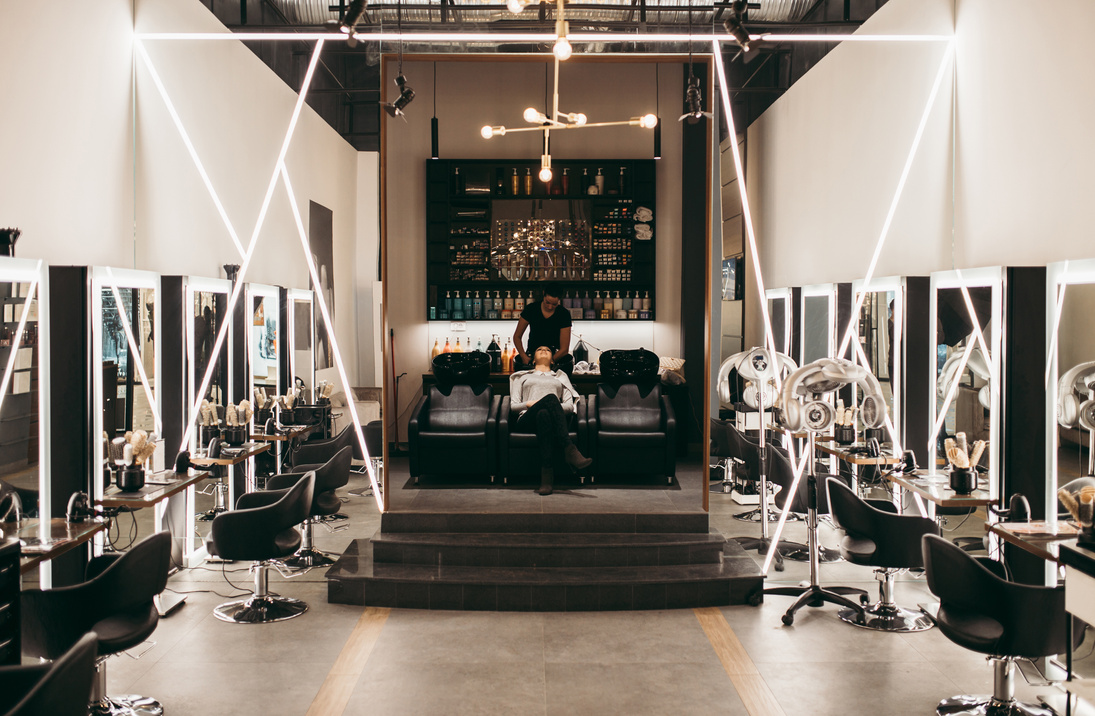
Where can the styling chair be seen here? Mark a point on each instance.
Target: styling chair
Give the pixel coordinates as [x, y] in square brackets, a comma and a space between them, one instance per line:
[981, 610]
[310, 455]
[374, 443]
[632, 429]
[330, 476]
[519, 452]
[115, 602]
[261, 530]
[876, 536]
[454, 427]
[60, 688]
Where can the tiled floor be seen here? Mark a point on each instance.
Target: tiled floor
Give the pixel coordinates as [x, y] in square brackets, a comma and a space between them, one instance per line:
[655, 662]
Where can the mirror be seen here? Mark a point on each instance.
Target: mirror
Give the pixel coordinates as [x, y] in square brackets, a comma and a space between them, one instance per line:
[966, 307]
[23, 459]
[264, 369]
[124, 337]
[779, 313]
[1069, 381]
[878, 345]
[818, 320]
[302, 338]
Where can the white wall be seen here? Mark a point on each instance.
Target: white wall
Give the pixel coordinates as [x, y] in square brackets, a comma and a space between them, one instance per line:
[66, 160]
[471, 94]
[367, 291]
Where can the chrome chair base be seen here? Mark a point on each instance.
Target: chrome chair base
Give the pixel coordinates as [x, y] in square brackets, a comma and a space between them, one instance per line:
[131, 705]
[310, 557]
[260, 610]
[887, 617]
[988, 706]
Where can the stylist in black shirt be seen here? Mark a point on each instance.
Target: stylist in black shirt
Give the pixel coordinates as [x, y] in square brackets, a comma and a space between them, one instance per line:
[548, 325]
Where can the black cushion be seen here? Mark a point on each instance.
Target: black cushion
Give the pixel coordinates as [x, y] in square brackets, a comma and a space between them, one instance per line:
[261, 526]
[976, 632]
[461, 410]
[330, 476]
[318, 452]
[895, 538]
[628, 408]
[119, 632]
[62, 688]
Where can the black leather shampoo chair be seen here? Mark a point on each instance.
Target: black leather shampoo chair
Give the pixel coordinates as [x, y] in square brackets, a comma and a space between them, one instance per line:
[454, 430]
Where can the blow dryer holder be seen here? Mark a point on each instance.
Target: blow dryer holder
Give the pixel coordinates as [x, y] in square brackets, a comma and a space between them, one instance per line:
[235, 435]
[130, 478]
[844, 434]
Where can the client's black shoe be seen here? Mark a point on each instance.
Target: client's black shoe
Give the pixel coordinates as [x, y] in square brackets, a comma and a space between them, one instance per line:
[547, 477]
[575, 459]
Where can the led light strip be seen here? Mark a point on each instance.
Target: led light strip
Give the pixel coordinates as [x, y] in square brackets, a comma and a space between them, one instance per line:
[189, 146]
[136, 357]
[942, 418]
[799, 469]
[18, 337]
[1051, 354]
[238, 287]
[977, 329]
[594, 37]
[852, 325]
[323, 309]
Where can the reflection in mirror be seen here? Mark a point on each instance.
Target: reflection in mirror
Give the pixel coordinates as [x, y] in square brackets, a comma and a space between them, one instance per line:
[208, 301]
[779, 313]
[1070, 377]
[24, 478]
[262, 346]
[967, 310]
[818, 317]
[125, 334]
[879, 345]
[302, 337]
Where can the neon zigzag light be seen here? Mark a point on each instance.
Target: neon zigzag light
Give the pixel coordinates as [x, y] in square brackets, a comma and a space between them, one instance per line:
[16, 339]
[751, 235]
[279, 171]
[134, 350]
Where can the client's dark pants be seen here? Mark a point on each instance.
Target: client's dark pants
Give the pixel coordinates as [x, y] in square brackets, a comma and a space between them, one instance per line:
[547, 419]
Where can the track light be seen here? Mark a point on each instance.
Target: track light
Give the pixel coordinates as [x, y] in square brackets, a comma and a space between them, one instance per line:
[352, 16]
[693, 102]
[406, 94]
[545, 168]
[734, 27]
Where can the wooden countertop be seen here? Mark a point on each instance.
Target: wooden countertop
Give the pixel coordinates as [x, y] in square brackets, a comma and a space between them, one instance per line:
[158, 486]
[63, 537]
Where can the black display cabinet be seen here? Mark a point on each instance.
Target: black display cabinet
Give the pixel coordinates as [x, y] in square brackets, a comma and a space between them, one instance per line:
[495, 230]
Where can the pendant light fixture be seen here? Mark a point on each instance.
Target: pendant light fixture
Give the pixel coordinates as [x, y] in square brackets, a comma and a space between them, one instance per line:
[693, 96]
[558, 120]
[433, 121]
[406, 94]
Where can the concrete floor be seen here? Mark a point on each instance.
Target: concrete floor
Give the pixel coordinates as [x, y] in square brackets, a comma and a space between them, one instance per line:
[655, 662]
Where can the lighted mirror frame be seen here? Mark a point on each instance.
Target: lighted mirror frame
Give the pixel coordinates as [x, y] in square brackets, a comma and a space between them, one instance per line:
[293, 295]
[258, 290]
[828, 291]
[993, 279]
[781, 294]
[105, 278]
[35, 273]
[1059, 276]
[895, 285]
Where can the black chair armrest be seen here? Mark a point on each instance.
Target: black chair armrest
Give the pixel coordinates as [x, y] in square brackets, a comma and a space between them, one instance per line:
[418, 421]
[503, 430]
[251, 500]
[592, 426]
[492, 432]
[285, 480]
[582, 408]
[669, 421]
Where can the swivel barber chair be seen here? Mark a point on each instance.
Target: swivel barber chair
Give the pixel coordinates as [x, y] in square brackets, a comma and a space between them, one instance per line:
[261, 529]
[631, 424]
[981, 610]
[312, 454]
[876, 536]
[59, 688]
[115, 602]
[518, 450]
[330, 476]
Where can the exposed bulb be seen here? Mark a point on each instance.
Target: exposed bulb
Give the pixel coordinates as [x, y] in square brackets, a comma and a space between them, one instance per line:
[532, 115]
[487, 131]
[648, 121]
[562, 49]
[515, 6]
[577, 118]
[545, 174]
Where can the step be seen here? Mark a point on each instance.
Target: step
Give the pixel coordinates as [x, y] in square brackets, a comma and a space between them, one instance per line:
[356, 579]
[554, 522]
[492, 549]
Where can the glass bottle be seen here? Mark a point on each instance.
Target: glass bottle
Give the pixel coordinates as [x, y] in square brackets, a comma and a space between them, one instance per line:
[457, 348]
[458, 307]
[478, 343]
[515, 184]
[528, 182]
[477, 307]
[600, 181]
[519, 303]
[448, 346]
[507, 304]
[468, 303]
[435, 352]
[495, 354]
[448, 303]
[566, 181]
[507, 358]
[498, 305]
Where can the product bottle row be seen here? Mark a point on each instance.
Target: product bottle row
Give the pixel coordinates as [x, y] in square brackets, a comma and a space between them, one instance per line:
[624, 304]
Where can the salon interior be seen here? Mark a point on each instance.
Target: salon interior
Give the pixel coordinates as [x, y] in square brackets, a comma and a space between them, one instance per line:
[818, 273]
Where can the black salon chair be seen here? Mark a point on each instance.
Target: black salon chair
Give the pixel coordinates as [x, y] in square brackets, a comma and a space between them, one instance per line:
[518, 450]
[454, 430]
[981, 610]
[60, 688]
[330, 476]
[115, 602]
[876, 536]
[261, 530]
[310, 455]
[632, 431]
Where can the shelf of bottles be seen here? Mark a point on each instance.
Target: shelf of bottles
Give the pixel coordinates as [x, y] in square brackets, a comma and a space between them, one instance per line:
[495, 234]
[19, 414]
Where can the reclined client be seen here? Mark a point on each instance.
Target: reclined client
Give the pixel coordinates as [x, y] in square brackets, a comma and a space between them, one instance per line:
[541, 397]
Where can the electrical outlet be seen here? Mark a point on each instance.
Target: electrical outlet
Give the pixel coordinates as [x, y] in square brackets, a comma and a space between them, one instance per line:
[458, 326]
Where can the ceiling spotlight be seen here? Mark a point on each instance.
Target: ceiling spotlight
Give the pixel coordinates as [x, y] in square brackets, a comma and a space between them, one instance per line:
[489, 131]
[693, 101]
[733, 24]
[545, 168]
[352, 16]
[406, 94]
[516, 6]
